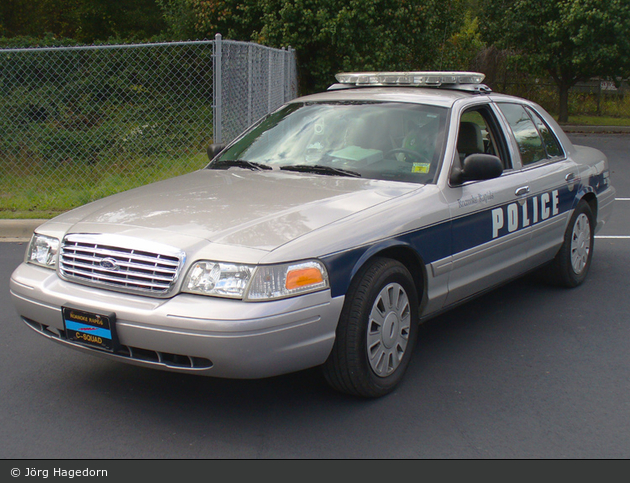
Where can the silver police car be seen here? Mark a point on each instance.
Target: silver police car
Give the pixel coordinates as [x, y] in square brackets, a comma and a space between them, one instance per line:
[323, 235]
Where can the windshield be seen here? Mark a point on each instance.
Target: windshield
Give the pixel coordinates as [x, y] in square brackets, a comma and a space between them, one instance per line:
[376, 140]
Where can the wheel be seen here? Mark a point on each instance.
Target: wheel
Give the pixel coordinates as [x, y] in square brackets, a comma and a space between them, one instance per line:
[570, 266]
[377, 331]
[413, 156]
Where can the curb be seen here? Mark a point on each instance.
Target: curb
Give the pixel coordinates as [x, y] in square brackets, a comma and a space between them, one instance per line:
[18, 230]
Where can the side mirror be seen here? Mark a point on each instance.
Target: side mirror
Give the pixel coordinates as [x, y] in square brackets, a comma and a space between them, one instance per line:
[214, 150]
[477, 167]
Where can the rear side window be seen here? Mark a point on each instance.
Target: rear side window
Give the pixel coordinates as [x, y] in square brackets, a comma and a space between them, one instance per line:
[528, 138]
[535, 139]
[552, 146]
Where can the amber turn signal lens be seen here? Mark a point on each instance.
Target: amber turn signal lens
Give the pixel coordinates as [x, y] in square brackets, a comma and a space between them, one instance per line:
[303, 277]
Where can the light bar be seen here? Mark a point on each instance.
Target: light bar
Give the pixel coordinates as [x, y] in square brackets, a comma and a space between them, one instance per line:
[433, 79]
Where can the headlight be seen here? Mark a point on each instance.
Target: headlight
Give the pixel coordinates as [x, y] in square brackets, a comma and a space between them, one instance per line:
[255, 283]
[219, 279]
[43, 251]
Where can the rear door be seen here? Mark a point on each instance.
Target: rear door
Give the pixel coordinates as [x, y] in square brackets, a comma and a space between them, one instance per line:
[552, 179]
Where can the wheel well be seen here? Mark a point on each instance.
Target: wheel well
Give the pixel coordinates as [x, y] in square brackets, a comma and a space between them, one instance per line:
[591, 199]
[414, 264]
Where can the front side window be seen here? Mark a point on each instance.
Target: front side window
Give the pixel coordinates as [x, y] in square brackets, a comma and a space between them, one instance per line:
[376, 140]
[478, 133]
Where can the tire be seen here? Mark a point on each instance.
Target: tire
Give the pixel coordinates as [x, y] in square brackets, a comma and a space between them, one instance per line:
[570, 266]
[375, 337]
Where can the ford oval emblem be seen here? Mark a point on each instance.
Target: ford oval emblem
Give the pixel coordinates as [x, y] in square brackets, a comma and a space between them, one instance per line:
[109, 264]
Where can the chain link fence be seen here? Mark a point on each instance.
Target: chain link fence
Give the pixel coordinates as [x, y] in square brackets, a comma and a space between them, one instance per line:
[80, 123]
[250, 83]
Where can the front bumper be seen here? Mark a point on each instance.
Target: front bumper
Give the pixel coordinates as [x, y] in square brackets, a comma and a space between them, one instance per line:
[188, 333]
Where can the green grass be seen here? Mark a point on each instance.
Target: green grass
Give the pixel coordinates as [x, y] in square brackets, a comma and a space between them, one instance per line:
[599, 120]
[34, 194]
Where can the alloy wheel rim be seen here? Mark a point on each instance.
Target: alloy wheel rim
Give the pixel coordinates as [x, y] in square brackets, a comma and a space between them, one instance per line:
[389, 325]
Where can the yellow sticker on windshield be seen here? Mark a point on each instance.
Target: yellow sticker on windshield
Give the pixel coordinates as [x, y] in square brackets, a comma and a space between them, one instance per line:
[420, 168]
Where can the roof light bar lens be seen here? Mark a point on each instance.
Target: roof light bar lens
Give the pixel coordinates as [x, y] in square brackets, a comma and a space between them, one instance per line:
[409, 78]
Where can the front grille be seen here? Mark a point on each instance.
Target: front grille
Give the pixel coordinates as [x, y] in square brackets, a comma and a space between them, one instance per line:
[120, 263]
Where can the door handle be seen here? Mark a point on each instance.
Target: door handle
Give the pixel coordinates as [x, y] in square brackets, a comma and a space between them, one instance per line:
[570, 177]
[523, 190]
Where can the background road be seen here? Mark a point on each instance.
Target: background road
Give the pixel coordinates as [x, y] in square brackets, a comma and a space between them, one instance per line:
[528, 371]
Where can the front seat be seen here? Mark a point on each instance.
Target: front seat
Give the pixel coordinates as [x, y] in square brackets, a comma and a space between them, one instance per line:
[469, 139]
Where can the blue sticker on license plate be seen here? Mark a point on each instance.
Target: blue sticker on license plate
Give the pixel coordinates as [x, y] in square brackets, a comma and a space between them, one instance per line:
[90, 329]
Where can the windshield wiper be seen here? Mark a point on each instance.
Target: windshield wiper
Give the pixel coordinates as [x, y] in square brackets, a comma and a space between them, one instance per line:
[239, 163]
[319, 169]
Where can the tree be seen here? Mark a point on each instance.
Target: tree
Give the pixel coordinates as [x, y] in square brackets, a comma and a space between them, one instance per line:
[329, 36]
[356, 35]
[32, 17]
[571, 40]
[129, 19]
[202, 19]
[462, 48]
[83, 20]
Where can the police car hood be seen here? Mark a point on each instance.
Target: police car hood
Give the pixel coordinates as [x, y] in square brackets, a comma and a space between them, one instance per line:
[256, 209]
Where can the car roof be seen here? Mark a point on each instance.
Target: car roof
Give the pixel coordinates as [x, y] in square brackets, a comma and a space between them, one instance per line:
[435, 96]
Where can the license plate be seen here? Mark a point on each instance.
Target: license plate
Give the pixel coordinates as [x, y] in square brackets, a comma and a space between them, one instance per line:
[90, 329]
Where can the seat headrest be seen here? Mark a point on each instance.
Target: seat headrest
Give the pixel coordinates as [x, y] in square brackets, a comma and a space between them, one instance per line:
[469, 140]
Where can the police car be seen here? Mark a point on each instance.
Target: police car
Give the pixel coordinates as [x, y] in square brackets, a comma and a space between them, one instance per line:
[323, 235]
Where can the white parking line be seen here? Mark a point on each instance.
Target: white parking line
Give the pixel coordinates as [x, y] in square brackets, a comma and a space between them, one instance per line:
[622, 199]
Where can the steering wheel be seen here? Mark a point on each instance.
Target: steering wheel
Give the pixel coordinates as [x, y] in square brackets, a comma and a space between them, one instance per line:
[415, 155]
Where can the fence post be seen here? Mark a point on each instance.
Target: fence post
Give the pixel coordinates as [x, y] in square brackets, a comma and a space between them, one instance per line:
[284, 75]
[250, 81]
[269, 77]
[292, 74]
[217, 111]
